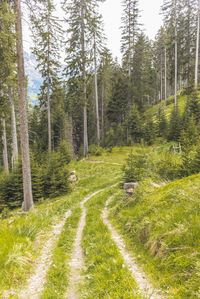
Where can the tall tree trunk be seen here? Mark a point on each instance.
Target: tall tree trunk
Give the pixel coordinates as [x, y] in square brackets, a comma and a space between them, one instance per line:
[176, 63]
[161, 78]
[96, 93]
[85, 131]
[49, 114]
[197, 49]
[24, 138]
[102, 109]
[68, 135]
[13, 128]
[165, 73]
[4, 141]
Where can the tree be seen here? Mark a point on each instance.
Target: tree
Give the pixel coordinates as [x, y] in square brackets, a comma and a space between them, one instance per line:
[46, 34]
[197, 47]
[106, 69]
[8, 69]
[98, 39]
[81, 16]
[171, 11]
[129, 32]
[24, 138]
[13, 127]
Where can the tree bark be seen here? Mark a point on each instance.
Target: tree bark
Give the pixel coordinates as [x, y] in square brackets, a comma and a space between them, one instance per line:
[4, 141]
[85, 131]
[197, 49]
[24, 138]
[165, 74]
[102, 109]
[161, 78]
[49, 112]
[176, 58]
[13, 128]
[96, 93]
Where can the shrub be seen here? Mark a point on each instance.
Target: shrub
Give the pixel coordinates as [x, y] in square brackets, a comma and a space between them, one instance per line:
[135, 168]
[55, 177]
[95, 150]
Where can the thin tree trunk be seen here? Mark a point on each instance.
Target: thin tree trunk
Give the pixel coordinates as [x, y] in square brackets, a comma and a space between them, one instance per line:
[165, 74]
[4, 141]
[24, 138]
[176, 58]
[96, 93]
[161, 79]
[102, 110]
[13, 128]
[197, 49]
[85, 132]
[49, 114]
[48, 93]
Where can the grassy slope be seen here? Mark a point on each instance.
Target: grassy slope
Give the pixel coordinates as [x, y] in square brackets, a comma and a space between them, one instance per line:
[162, 226]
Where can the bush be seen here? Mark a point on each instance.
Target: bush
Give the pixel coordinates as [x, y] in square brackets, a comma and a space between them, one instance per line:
[95, 150]
[168, 166]
[55, 177]
[135, 168]
[48, 180]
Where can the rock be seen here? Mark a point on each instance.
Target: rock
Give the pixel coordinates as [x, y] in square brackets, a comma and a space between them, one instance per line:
[73, 179]
[129, 188]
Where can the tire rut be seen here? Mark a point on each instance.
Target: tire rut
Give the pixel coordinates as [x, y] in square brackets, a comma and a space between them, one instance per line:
[144, 285]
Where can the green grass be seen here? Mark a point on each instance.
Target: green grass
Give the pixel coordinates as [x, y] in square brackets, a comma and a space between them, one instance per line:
[162, 227]
[106, 275]
[168, 106]
[22, 236]
[57, 276]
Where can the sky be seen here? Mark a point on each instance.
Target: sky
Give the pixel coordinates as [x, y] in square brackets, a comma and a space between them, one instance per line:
[111, 11]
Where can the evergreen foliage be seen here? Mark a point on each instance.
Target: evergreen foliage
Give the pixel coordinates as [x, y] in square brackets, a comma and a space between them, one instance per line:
[135, 168]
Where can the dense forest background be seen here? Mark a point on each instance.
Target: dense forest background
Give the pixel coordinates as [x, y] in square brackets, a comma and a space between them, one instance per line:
[93, 101]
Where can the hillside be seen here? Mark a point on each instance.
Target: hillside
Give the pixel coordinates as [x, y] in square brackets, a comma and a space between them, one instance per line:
[167, 106]
[155, 232]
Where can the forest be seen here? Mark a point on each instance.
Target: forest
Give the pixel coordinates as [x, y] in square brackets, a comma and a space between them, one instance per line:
[97, 125]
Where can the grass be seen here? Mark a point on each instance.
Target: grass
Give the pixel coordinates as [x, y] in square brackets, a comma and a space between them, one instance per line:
[106, 275]
[162, 227]
[22, 236]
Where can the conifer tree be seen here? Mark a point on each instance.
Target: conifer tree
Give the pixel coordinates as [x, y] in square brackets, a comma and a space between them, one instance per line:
[46, 34]
[24, 137]
[197, 47]
[129, 31]
[81, 15]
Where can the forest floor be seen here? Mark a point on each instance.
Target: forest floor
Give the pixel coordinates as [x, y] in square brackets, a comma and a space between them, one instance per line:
[86, 244]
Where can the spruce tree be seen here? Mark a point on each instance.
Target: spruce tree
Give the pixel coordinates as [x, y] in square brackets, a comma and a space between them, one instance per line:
[24, 136]
[46, 34]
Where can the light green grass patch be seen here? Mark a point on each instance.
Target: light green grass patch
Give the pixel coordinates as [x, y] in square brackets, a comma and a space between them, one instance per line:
[106, 275]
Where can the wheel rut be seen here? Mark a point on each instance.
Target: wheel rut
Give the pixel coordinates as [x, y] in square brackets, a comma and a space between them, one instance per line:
[35, 283]
[144, 285]
[77, 262]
